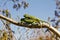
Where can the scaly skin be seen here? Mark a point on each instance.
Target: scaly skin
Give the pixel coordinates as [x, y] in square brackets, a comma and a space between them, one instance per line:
[33, 18]
[29, 21]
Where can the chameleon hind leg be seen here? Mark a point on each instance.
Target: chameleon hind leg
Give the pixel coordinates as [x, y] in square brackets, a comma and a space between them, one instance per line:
[41, 27]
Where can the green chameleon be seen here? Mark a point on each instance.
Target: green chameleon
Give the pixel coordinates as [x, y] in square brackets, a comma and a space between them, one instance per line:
[31, 19]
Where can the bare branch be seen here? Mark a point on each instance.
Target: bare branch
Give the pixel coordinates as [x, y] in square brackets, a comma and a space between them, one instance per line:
[45, 25]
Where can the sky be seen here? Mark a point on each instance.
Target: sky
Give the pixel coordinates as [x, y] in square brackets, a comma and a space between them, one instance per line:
[40, 8]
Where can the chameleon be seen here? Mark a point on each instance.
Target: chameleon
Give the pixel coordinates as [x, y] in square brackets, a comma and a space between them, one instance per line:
[31, 19]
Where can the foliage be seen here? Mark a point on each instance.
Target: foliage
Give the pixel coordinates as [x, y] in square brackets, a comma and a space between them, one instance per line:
[8, 34]
[4, 35]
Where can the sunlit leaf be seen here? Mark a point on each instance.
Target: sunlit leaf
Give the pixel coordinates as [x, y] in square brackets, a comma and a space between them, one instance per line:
[15, 6]
[56, 14]
[53, 20]
[19, 5]
[26, 5]
[57, 23]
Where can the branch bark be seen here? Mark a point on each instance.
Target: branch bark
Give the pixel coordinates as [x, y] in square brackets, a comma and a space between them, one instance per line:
[44, 25]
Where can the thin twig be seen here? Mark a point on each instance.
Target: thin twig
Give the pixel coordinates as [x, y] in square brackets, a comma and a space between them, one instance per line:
[45, 25]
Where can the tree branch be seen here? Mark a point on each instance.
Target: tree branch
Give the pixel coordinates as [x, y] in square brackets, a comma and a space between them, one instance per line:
[44, 25]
